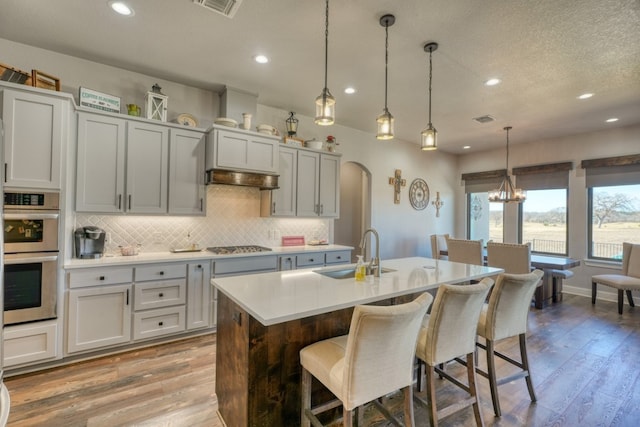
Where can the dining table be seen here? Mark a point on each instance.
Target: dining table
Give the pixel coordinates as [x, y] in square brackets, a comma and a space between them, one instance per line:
[546, 263]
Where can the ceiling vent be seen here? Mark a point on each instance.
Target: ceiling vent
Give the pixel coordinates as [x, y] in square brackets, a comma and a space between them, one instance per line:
[484, 119]
[227, 8]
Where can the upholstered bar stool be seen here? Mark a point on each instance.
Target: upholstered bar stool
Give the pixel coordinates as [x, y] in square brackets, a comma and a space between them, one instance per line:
[628, 281]
[506, 316]
[373, 360]
[438, 243]
[511, 257]
[465, 251]
[447, 333]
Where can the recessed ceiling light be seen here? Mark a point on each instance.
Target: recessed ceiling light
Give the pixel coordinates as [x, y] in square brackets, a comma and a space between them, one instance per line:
[121, 7]
[585, 96]
[466, 147]
[492, 81]
[612, 119]
[350, 90]
[261, 59]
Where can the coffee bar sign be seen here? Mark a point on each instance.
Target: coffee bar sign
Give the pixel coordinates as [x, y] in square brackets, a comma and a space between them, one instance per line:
[98, 100]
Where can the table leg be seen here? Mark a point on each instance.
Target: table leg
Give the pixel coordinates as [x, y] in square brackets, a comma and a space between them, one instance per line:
[542, 291]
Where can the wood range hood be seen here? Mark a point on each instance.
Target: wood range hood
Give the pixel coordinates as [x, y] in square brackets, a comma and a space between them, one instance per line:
[246, 179]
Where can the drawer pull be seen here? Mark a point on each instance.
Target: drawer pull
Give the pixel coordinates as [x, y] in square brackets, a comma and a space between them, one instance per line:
[199, 266]
[161, 273]
[311, 260]
[338, 257]
[160, 295]
[160, 323]
[102, 277]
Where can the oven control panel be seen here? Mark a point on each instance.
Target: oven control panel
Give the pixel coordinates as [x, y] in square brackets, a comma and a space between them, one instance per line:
[13, 200]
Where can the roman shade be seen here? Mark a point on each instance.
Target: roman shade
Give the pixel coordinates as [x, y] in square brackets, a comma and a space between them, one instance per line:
[622, 170]
[543, 177]
[483, 182]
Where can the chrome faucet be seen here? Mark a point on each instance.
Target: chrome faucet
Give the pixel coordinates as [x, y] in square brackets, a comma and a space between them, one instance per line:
[375, 261]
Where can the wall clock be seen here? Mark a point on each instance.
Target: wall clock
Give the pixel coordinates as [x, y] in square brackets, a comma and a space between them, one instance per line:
[419, 194]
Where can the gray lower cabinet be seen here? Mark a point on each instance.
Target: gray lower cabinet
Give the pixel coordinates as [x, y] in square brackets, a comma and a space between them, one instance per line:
[198, 294]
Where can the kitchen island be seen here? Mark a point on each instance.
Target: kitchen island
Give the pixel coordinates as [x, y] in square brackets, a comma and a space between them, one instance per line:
[265, 319]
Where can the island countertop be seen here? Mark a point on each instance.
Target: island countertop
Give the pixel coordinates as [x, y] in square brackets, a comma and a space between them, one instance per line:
[278, 297]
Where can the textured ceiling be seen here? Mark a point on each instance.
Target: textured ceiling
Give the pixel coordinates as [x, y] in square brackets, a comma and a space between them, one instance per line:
[546, 52]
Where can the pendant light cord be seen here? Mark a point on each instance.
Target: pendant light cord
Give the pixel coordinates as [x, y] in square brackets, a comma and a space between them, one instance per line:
[430, 77]
[326, 46]
[386, 61]
[507, 129]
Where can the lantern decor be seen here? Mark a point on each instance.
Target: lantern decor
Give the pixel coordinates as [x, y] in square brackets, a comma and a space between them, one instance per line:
[156, 103]
[292, 124]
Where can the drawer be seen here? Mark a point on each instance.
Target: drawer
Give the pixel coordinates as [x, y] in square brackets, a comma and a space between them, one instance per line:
[159, 294]
[158, 322]
[100, 276]
[29, 343]
[160, 272]
[338, 257]
[308, 260]
[244, 265]
[286, 262]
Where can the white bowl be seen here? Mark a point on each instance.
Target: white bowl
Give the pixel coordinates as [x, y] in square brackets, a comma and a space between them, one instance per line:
[268, 129]
[315, 144]
[225, 121]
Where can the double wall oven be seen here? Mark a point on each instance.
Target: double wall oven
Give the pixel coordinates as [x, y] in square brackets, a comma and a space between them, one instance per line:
[31, 222]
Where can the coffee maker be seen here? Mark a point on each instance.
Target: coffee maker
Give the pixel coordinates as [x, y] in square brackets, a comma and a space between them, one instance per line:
[89, 242]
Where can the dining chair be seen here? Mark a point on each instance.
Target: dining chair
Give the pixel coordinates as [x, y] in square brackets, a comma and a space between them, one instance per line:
[447, 333]
[373, 360]
[511, 257]
[505, 316]
[465, 251]
[628, 281]
[438, 243]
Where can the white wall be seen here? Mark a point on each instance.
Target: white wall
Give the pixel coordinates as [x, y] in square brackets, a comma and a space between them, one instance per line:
[610, 143]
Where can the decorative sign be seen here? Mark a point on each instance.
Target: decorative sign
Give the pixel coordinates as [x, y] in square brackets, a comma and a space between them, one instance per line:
[397, 183]
[99, 101]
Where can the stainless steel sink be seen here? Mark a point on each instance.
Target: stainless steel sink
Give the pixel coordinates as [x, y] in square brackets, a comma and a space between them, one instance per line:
[346, 273]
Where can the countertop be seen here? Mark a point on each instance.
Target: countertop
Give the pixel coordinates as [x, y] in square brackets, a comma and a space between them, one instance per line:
[157, 257]
[278, 297]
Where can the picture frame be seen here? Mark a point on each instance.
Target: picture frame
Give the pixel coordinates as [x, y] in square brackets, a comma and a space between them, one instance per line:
[98, 100]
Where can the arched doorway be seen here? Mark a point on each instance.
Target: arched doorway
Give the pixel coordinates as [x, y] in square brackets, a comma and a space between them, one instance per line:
[355, 206]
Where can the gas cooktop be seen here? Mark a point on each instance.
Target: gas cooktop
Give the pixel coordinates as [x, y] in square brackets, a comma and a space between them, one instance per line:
[226, 250]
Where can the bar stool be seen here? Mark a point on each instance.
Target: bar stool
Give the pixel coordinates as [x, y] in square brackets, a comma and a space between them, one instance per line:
[373, 360]
[447, 333]
[557, 276]
[506, 316]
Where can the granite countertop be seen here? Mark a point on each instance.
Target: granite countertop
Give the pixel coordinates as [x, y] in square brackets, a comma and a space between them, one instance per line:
[157, 257]
[281, 296]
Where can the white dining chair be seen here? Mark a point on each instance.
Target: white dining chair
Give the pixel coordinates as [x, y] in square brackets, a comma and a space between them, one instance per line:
[373, 360]
[438, 244]
[627, 281]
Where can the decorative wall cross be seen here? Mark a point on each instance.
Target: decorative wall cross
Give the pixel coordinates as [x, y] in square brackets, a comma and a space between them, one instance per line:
[437, 203]
[398, 182]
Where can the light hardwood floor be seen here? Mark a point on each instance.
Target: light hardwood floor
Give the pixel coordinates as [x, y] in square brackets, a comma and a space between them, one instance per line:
[585, 367]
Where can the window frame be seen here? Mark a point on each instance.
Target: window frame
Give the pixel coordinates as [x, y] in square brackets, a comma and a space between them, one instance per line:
[567, 216]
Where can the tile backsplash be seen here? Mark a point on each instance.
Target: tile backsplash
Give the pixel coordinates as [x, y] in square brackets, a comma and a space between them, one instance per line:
[233, 218]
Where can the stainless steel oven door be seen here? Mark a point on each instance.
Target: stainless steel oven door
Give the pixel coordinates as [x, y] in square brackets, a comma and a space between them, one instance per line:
[30, 287]
[31, 231]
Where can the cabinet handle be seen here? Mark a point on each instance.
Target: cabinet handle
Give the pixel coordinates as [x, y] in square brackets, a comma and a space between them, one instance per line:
[119, 201]
[338, 257]
[160, 295]
[321, 209]
[160, 323]
[161, 273]
[273, 207]
[102, 277]
[129, 202]
[311, 260]
[201, 204]
[199, 266]
[5, 172]
[127, 297]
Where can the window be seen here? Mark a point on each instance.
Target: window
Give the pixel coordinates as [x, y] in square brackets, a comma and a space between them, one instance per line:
[543, 221]
[484, 219]
[613, 186]
[614, 217]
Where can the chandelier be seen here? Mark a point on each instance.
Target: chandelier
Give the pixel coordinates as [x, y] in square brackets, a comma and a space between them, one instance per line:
[507, 191]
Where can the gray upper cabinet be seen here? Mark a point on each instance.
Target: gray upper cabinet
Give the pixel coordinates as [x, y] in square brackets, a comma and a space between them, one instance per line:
[186, 172]
[147, 168]
[282, 202]
[329, 186]
[35, 127]
[101, 163]
[241, 150]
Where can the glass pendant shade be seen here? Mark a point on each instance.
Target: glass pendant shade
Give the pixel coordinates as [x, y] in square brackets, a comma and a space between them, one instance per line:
[429, 138]
[325, 108]
[385, 125]
[292, 124]
[507, 192]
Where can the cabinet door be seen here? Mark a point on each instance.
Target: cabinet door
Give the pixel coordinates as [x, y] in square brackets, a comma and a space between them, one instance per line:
[284, 199]
[100, 163]
[198, 294]
[307, 183]
[147, 168]
[242, 151]
[286, 262]
[98, 317]
[329, 186]
[34, 128]
[186, 172]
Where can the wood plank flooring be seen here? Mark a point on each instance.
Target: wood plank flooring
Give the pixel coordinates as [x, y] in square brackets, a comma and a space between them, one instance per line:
[585, 366]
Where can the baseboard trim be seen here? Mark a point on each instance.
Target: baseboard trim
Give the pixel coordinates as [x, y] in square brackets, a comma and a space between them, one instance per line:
[602, 294]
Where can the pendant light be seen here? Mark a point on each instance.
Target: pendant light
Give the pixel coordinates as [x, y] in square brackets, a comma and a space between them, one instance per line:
[429, 135]
[507, 191]
[385, 120]
[325, 103]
